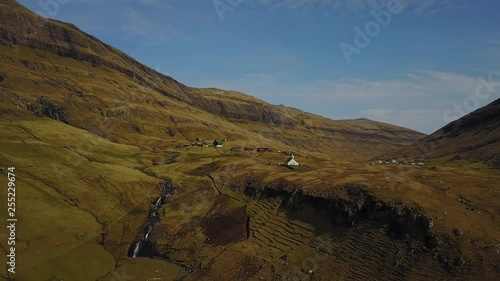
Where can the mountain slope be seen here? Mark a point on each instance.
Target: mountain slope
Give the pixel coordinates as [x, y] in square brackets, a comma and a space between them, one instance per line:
[47, 63]
[474, 137]
[109, 185]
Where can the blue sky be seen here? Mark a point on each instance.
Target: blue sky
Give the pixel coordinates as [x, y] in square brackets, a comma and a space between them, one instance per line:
[421, 69]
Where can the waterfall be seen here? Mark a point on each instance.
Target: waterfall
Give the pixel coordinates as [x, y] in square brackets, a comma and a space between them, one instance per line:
[158, 202]
[145, 245]
[150, 228]
[136, 250]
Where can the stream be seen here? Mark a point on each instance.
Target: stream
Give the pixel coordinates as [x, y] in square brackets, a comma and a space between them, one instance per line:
[143, 246]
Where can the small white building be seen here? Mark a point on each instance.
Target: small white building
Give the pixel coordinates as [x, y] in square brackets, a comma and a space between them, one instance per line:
[292, 162]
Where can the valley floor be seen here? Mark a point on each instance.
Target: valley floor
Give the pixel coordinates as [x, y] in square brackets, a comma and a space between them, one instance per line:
[83, 201]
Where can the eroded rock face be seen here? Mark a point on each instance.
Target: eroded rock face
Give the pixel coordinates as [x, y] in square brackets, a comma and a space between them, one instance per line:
[52, 110]
[46, 107]
[245, 112]
[358, 206]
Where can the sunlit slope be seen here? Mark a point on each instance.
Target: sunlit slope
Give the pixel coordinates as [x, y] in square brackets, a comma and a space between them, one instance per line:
[80, 198]
[474, 137]
[53, 69]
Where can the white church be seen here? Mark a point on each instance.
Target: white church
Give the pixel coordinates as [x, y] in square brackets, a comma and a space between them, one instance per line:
[292, 161]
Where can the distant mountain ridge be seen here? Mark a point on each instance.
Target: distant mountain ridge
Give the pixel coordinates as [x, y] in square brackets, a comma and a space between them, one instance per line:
[474, 137]
[49, 66]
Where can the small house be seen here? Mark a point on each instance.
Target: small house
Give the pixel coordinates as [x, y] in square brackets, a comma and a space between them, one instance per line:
[248, 149]
[263, 149]
[217, 143]
[292, 161]
[236, 149]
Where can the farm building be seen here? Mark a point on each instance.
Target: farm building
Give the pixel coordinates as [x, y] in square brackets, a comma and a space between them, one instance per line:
[292, 161]
[217, 143]
[236, 149]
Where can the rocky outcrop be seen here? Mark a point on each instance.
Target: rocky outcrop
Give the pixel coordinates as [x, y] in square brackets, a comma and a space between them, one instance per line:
[358, 206]
[244, 112]
[355, 205]
[52, 110]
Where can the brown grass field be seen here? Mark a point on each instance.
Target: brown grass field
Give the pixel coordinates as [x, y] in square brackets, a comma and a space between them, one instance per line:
[86, 203]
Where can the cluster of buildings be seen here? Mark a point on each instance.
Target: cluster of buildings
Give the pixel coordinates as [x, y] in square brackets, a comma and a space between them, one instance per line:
[202, 143]
[250, 149]
[291, 162]
[418, 162]
[220, 143]
[401, 162]
[241, 148]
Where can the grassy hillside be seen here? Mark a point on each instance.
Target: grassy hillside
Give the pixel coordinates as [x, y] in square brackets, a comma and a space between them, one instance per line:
[52, 66]
[474, 137]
